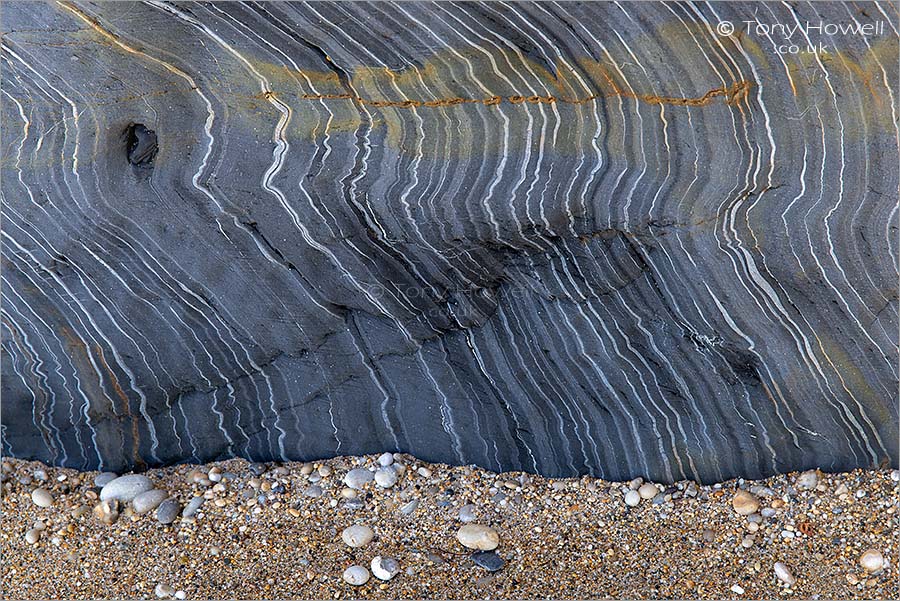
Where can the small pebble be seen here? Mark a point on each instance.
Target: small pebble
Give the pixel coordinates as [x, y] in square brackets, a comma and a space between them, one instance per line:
[314, 491]
[32, 536]
[356, 575]
[872, 561]
[102, 479]
[478, 536]
[410, 507]
[784, 574]
[168, 511]
[385, 568]
[489, 560]
[737, 589]
[648, 490]
[386, 477]
[357, 478]
[164, 591]
[42, 497]
[385, 459]
[357, 535]
[467, 513]
[744, 503]
[126, 488]
[148, 501]
[632, 498]
[807, 480]
[192, 507]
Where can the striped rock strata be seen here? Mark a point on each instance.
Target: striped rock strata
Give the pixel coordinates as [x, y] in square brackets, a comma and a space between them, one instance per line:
[618, 239]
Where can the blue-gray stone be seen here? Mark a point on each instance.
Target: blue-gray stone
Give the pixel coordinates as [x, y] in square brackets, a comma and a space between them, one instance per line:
[298, 230]
[489, 560]
[168, 511]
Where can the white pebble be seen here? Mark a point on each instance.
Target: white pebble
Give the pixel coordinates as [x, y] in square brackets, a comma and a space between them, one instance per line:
[386, 477]
[32, 536]
[872, 561]
[632, 498]
[385, 568]
[807, 480]
[163, 590]
[42, 497]
[357, 535]
[737, 589]
[478, 536]
[385, 459]
[648, 490]
[356, 575]
[784, 574]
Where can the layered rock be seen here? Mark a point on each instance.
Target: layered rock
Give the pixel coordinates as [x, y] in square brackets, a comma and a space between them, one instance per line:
[593, 238]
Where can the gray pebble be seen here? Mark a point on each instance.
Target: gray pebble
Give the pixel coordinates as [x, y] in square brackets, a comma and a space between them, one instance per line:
[258, 469]
[356, 575]
[467, 513]
[357, 478]
[32, 536]
[386, 477]
[192, 507]
[168, 511]
[104, 478]
[489, 560]
[148, 501]
[126, 488]
[385, 568]
[385, 459]
[410, 507]
[314, 491]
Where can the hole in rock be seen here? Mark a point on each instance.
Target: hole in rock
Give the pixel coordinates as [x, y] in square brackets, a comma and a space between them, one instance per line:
[142, 145]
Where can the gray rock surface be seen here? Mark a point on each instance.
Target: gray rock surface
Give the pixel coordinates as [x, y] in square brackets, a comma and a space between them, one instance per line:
[504, 234]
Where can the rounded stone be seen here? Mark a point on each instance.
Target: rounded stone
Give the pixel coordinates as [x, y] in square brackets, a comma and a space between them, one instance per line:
[104, 478]
[357, 478]
[478, 536]
[164, 591]
[33, 536]
[632, 498]
[148, 501]
[467, 513]
[385, 568]
[168, 511]
[872, 561]
[357, 535]
[42, 497]
[385, 459]
[807, 480]
[126, 488]
[192, 507]
[744, 503]
[356, 575]
[783, 573]
[648, 490]
[386, 477]
[489, 560]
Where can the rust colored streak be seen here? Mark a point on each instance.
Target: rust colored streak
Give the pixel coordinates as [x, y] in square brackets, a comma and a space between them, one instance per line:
[733, 94]
[135, 432]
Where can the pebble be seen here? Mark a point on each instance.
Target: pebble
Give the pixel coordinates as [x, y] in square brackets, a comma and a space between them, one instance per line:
[872, 561]
[467, 513]
[107, 511]
[386, 477]
[410, 507]
[386, 459]
[104, 478]
[648, 490]
[737, 589]
[33, 536]
[356, 575]
[632, 498]
[125, 488]
[744, 503]
[807, 480]
[895, 475]
[425, 472]
[489, 560]
[164, 590]
[784, 574]
[168, 511]
[192, 507]
[258, 469]
[385, 568]
[478, 536]
[148, 501]
[42, 497]
[314, 491]
[325, 471]
[357, 535]
[357, 478]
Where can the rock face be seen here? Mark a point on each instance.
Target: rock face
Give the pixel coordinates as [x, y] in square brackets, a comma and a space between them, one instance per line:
[503, 234]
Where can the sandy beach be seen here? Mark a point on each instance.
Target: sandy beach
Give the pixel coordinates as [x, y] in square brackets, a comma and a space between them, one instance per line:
[280, 531]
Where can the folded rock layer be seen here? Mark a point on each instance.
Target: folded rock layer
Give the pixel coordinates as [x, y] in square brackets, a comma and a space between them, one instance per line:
[617, 239]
